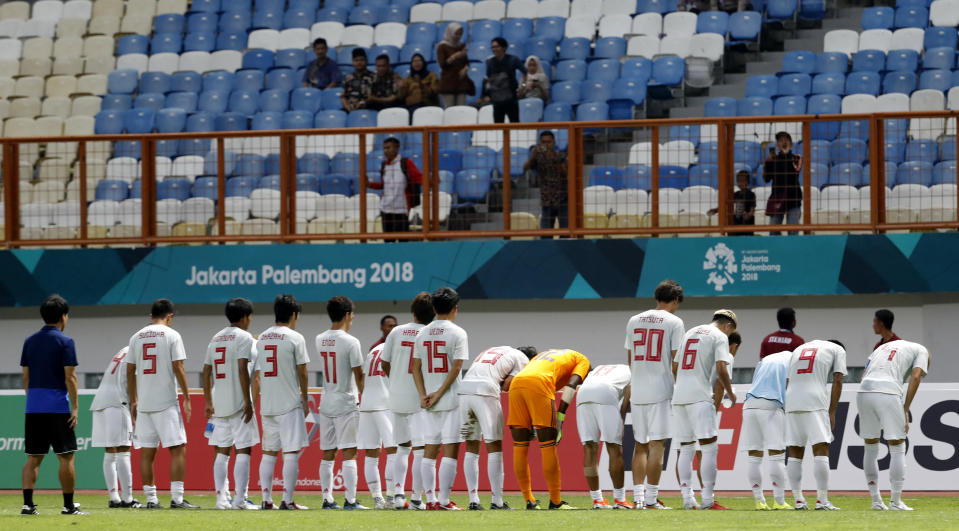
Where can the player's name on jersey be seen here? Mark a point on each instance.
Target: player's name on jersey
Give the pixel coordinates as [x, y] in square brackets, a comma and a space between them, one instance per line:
[359, 277]
[151, 333]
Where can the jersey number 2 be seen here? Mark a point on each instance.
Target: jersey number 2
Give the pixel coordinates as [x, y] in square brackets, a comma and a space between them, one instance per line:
[219, 361]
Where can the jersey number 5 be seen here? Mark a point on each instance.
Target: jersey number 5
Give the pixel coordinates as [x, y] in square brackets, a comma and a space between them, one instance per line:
[441, 364]
[807, 354]
[152, 358]
[645, 338]
[689, 353]
[218, 361]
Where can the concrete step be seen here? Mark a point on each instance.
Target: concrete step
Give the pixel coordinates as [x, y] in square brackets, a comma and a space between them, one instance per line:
[687, 112]
[764, 67]
[731, 91]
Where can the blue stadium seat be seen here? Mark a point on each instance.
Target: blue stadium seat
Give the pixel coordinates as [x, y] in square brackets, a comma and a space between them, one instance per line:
[603, 70]
[721, 106]
[139, 121]
[485, 30]
[238, 5]
[794, 84]
[155, 82]
[923, 149]
[570, 70]
[307, 182]
[133, 44]
[639, 68]
[560, 111]
[894, 151]
[171, 120]
[656, 6]
[108, 122]
[550, 28]
[611, 176]
[668, 71]
[282, 79]
[638, 177]
[330, 119]
[824, 104]
[944, 172]
[194, 146]
[744, 26]
[713, 22]
[249, 80]
[220, 81]
[575, 48]
[201, 22]
[128, 148]
[595, 90]
[518, 155]
[169, 23]
[344, 58]
[229, 163]
[313, 163]
[374, 160]
[265, 121]
[231, 41]
[673, 177]
[936, 80]
[517, 29]
[878, 18]
[633, 90]
[896, 130]
[258, 58]
[854, 129]
[116, 102]
[764, 86]
[790, 105]
[904, 82]
[915, 172]
[709, 152]
[530, 110]
[394, 13]
[849, 174]
[250, 164]
[802, 62]
[231, 121]
[451, 160]
[592, 111]
[911, 16]
[868, 61]
[122, 81]
[269, 182]
[610, 48]
[832, 62]
[812, 9]
[942, 57]
[828, 84]
[479, 157]
[748, 153]
[271, 166]
[268, 18]
[335, 183]
[392, 52]
[704, 175]
[275, 100]
[818, 175]
[290, 58]
[333, 14]
[149, 100]
[948, 150]
[472, 185]
[754, 106]
[426, 50]
[541, 47]
[298, 18]
[363, 15]
[848, 150]
[458, 140]
[199, 42]
[234, 22]
[939, 36]
[421, 32]
[242, 102]
[566, 92]
[200, 122]
[818, 151]
[112, 190]
[361, 118]
[687, 132]
[903, 60]
[307, 99]
[862, 83]
[206, 6]
[240, 186]
[476, 51]
[781, 9]
[176, 188]
[205, 187]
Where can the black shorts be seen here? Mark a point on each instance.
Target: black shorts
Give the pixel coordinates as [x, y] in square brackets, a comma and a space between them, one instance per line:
[44, 430]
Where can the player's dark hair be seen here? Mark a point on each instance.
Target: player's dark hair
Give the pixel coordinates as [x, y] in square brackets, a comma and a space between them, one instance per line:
[786, 317]
[836, 341]
[735, 339]
[319, 40]
[422, 308]
[445, 300]
[392, 140]
[284, 307]
[385, 317]
[501, 41]
[529, 351]
[237, 309]
[53, 309]
[161, 308]
[668, 291]
[338, 307]
[358, 52]
[885, 317]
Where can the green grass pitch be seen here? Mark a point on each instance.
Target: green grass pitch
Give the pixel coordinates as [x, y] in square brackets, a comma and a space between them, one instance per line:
[930, 513]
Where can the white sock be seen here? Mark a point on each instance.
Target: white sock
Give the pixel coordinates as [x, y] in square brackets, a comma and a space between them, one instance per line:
[371, 471]
[686, 454]
[350, 476]
[388, 475]
[821, 471]
[447, 477]
[417, 472]
[777, 475]
[471, 471]
[596, 495]
[110, 476]
[125, 473]
[326, 479]
[291, 470]
[870, 465]
[794, 469]
[897, 471]
[639, 493]
[241, 475]
[651, 494]
[150, 491]
[176, 491]
[755, 477]
[220, 464]
[494, 468]
[400, 466]
[429, 479]
[619, 494]
[267, 464]
[708, 467]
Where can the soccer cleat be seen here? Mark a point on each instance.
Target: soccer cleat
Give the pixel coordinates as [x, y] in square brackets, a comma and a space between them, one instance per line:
[899, 506]
[448, 507]
[600, 504]
[561, 506]
[330, 505]
[780, 506]
[475, 506]
[657, 505]
[622, 504]
[825, 506]
[268, 505]
[115, 504]
[223, 505]
[292, 506]
[183, 504]
[379, 503]
[639, 506]
[249, 505]
[355, 506]
[714, 507]
[533, 506]
[75, 510]
[432, 506]
[690, 504]
[504, 507]
[801, 505]
[132, 504]
[29, 510]
[418, 505]
[879, 506]
[761, 506]
[154, 505]
[399, 502]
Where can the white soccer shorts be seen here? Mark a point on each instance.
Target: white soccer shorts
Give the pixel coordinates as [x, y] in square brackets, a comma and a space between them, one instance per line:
[881, 412]
[650, 421]
[408, 428]
[286, 432]
[376, 430]
[112, 427]
[694, 421]
[232, 431]
[442, 427]
[339, 432]
[481, 416]
[807, 428]
[599, 423]
[159, 427]
[763, 430]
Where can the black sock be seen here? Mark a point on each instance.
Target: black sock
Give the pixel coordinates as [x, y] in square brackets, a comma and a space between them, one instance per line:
[28, 497]
[68, 500]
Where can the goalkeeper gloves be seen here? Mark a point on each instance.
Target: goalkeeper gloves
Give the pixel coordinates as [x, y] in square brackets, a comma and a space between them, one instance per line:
[560, 417]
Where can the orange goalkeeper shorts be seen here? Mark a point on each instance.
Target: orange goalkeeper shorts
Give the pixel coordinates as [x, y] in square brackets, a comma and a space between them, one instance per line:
[529, 408]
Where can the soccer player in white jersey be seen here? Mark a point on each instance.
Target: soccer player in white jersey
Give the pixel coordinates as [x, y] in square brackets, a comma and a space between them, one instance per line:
[154, 368]
[284, 402]
[405, 402]
[438, 356]
[811, 414]
[481, 415]
[339, 414]
[704, 349]
[601, 405]
[652, 338]
[376, 428]
[883, 408]
[229, 406]
[113, 431]
[764, 422]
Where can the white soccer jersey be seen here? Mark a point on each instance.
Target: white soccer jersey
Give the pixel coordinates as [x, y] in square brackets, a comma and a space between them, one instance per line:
[340, 353]
[605, 385]
[701, 349]
[890, 364]
[809, 369]
[112, 391]
[223, 355]
[490, 369]
[280, 350]
[651, 337]
[398, 352]
[438, 345]
[376, 391]
[153, 350]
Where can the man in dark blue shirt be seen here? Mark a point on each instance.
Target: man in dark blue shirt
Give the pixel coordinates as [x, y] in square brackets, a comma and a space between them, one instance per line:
[322, 72]
[49, 362]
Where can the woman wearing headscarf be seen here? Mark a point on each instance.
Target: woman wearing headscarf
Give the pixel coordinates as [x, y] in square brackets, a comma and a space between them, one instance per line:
[455, 83]
[535, 84]
[421, 86]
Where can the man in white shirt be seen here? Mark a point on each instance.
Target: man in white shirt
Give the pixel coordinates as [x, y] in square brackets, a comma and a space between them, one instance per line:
[229, 406]
[284, 400]
[376, 428]
[438, 356]
[883, 409]
[704, 352]
[405, 402]
[339, 416]
[481, 415]
[113, 431]
[652, 338]
[764, 422]
[601, 405]
[811, 414]
[154, 368]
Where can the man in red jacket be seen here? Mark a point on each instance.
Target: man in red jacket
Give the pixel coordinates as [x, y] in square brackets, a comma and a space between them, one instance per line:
[784, 338]
[398, 180]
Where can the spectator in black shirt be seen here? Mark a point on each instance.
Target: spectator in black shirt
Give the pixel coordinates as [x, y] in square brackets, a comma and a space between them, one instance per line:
[744, 204]
[501, 84]
[782, 169]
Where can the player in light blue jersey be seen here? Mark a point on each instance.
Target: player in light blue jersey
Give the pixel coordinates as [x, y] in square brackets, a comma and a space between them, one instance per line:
[764, 425]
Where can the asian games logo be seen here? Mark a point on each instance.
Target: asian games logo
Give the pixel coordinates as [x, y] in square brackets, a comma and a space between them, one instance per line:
[720, 261]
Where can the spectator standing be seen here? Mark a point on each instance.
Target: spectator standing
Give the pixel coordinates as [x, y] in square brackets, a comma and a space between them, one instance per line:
[744, 204]
[882, 325]
[501, 85]
[782, 169]
[385, 92]
[455, 82]
[535, 83]
[784, 338]
[387, 323]
[421, 87]
[551, 167]
[49, 362]
[321, 73]
[358, 85]
[398, 180]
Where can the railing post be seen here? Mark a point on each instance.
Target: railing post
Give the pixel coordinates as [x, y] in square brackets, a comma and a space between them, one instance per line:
[148, 185]
[507, 182]
[431, 168]
[723, 178]
[220, 189]
[362, 181]
[806, 176]
[877, 170]
[82, 168]
[287, 188]
[11, 192]
[574, 168]
[654, 171]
